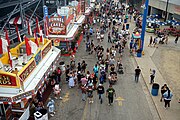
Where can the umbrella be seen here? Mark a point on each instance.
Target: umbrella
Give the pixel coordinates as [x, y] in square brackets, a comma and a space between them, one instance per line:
[136, 35]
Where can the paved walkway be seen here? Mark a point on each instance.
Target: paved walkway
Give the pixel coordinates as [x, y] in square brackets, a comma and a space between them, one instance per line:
[146, 63]
[71, 107]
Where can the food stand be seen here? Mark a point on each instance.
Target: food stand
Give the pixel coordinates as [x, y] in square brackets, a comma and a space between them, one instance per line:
[17, 88]
[70, 22]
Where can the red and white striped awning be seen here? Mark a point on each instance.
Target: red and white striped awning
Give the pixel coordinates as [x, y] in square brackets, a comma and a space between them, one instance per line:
[15, 20]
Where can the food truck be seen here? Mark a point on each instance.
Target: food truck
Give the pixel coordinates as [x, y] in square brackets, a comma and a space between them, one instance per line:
[28, 74]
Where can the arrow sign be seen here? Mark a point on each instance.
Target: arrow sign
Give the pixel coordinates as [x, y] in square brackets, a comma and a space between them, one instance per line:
[119, 100]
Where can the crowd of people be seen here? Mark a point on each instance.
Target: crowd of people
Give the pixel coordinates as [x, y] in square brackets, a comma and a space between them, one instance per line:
[107, 20]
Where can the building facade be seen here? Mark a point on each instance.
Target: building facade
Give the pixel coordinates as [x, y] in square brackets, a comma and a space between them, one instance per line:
[159, 7]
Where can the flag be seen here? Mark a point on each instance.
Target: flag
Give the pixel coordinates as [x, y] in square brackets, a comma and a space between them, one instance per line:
[33, 46]
[28, 47]
[1, 49]
[3, 45]
[7, 36]
[36, 41]
[46, 27]
[29, 28]
[37, 25]
[18, 34]
[36, 38]
[34, 33]
[41, 36]
[10, 57]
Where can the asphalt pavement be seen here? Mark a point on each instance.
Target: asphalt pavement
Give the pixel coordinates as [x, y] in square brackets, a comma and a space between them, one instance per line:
[133, 101]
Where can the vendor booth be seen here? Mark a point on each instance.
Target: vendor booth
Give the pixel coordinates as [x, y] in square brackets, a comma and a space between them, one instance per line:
[68, 35]
[28, 74]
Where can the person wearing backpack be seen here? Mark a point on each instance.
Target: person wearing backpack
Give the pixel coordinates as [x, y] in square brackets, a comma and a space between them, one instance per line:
[167, 98]
[90, 92]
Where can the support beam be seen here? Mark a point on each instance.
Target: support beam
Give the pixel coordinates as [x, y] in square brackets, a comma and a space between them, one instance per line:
[8, 4]
[35, 10]
[18, 10]
[9, 18]
[22, 15]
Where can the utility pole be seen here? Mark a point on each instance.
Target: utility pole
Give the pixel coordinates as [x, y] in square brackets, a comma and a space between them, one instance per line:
[167, 3]
[144, 26]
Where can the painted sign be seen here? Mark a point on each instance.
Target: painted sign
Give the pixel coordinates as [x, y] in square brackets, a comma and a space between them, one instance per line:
[46, 50]
[27, 70]
[22, 96]
[5, 99]
[7, 80]
[38, 57]
[57, 25]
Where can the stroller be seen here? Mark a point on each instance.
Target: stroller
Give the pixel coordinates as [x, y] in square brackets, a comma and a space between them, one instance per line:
[120, 68]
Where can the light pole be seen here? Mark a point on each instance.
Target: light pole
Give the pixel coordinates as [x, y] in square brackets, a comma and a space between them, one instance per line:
[144, 26]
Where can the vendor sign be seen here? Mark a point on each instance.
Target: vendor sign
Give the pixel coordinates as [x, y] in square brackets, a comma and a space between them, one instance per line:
[7, 80]
[46, 49]
[27, 71]
[5, 99]
[57, 25]
[22, 96]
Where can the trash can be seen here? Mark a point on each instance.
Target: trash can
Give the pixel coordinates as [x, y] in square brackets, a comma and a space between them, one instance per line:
[155, 89]
[37, 115]
[62, 66]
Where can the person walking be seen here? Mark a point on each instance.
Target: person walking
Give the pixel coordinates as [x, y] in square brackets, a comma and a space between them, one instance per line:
[155, 41]
[110, 93]
[51, 107]
[163, 90]
[100, 92]
[176, 39]
[152, 76]
[96, 70]
[109, 37]
[84, 90]
[166, 38]
[137, 73]
[167, 98]
[150, 41]
[90, 92]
